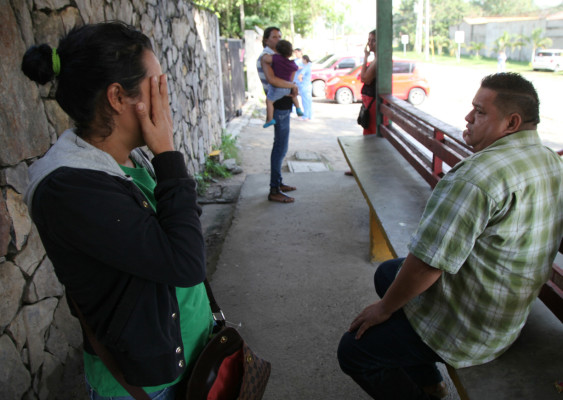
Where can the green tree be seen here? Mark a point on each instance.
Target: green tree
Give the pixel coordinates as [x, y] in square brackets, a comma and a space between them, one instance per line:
[502, 43]
[264, 13]
[504, 7]
[476, 47]
[440, 42]
[538, 41]
[444, 13]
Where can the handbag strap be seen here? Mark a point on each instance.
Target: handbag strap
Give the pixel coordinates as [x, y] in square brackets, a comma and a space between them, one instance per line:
[107, 358]
[370, 103]
[218, 315]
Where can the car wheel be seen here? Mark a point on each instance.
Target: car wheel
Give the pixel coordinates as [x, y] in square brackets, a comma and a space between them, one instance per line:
[416, 96]
[319, 88]
[344, 96]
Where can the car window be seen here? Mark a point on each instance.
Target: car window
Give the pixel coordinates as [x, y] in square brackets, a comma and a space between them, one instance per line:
[323, 59]
[330, 62]
[402, 67]
[346, 63]
[544, 54]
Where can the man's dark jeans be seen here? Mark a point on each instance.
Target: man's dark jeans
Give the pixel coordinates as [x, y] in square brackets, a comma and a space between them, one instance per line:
[389, 361]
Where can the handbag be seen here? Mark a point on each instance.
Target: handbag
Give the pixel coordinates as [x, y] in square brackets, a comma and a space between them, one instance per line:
[225, 369]
[363, 116]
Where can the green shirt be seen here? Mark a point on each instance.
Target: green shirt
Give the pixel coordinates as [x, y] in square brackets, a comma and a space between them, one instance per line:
[196, 321]
[493, 225]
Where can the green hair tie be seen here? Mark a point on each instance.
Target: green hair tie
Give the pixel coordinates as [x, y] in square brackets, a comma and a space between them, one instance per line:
[56, 63]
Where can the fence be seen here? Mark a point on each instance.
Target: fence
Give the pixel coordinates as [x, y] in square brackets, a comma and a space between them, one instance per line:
[232, 57]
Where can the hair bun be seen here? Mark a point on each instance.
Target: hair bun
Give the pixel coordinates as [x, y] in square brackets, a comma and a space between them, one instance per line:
[37, 64]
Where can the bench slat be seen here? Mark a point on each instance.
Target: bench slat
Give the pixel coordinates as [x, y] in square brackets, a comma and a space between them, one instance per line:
[393, 190]
[528, 370]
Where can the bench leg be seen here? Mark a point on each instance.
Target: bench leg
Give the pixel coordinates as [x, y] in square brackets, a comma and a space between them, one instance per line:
[379, 247]
[458, 385]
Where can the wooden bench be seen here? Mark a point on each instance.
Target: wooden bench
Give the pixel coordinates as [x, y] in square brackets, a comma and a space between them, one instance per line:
[396, 196]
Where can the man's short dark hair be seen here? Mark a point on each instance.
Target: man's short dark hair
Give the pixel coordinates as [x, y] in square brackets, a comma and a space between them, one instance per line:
[514, 94]
[373, 33]
[284, 48]
[267, 32]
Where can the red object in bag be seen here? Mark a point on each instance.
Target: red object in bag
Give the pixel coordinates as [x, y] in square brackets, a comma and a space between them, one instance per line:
[229, 378]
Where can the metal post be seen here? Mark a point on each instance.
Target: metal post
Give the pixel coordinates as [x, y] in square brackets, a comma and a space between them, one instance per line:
[384, 51]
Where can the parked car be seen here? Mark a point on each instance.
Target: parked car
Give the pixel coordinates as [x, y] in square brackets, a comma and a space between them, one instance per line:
[551, 59]
[333, 66]
[407, 84]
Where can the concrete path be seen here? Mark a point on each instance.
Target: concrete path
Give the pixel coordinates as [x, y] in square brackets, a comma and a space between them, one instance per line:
[294, 275]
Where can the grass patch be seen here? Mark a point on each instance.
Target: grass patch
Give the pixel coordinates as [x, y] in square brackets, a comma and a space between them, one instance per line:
[214, 170]
[229, 147]
[202, 184]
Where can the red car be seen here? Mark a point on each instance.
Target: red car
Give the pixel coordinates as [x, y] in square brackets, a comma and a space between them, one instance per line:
[334, 65]
[407, 84]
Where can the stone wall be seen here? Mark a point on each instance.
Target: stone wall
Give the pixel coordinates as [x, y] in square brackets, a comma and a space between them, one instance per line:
[40, 343]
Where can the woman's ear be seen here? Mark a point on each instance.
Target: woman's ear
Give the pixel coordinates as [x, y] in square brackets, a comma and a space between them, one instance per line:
[116, 97]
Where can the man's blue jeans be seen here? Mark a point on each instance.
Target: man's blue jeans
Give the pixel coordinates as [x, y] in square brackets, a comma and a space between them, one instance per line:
[389, 361]
[279, 150]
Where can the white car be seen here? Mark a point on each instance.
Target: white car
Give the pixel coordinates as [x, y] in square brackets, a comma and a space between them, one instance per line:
[551, 59]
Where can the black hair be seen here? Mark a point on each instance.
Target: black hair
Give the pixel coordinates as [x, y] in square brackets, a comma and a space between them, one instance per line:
[267, 32]
[306, 58]
[514, 94]
[284, 48]
[92, 57]
[373, 33]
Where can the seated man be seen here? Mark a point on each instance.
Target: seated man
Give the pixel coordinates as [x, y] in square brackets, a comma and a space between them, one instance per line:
[482, 251]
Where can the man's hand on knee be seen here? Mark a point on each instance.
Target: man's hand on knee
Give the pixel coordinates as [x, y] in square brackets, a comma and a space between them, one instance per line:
[373, 314]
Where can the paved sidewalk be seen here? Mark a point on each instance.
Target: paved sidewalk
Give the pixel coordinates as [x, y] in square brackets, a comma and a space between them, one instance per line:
[295, 275]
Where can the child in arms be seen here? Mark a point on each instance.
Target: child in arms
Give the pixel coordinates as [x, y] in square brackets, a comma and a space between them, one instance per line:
[285, 69]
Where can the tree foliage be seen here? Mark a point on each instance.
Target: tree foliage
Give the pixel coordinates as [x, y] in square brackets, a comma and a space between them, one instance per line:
[504, 7]
[538, 40]
[264, 13]
[443, 14]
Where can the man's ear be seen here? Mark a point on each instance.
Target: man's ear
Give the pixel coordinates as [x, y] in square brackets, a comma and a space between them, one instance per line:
[116, 97]
[514, 123]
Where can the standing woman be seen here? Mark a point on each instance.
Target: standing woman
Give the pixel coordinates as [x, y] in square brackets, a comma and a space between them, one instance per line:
[305, 88]
[123, 232]
[367, 76]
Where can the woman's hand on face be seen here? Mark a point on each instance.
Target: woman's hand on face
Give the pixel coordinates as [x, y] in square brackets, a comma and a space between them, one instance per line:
[157, 128]
[367, 51]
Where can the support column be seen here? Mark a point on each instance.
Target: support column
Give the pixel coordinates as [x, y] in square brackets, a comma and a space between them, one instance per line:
[384, 26]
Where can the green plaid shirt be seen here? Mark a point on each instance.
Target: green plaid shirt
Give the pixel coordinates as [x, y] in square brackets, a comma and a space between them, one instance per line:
[493, 224]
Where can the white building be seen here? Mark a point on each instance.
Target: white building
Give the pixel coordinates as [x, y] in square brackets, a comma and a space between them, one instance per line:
[488, 29]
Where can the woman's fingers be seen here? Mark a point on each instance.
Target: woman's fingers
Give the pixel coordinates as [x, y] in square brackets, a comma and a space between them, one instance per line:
[143, 116]
[157, 130]
[163, 87]
[156, 102]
